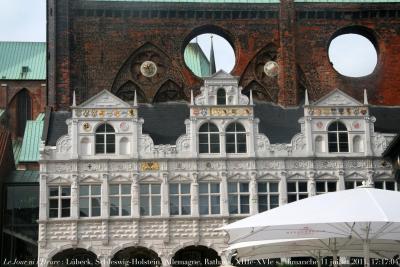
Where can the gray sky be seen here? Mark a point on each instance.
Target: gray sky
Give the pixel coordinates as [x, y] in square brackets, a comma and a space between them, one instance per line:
[25, 20]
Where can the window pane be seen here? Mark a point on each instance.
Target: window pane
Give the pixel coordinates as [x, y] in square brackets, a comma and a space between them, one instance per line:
[203, 138]
[65, 212]
[84, 203]
[262, 203]
[203, 188]
[273, 187]
[144, 189]
[203, 203]
[53, 213]
[233, 205]
[244, 204]
[232, 187]
[84, 190]
[343, 147]
[213, 127]
[65, 203]
[332, 147]
[126, 206]
[99, 139]
[343, 137]
[99, 148]
[144, 206]
[185, 188]
[332, 137]
[203, 148]
[214, 148]
[341, 126]
[53, 191]
[302, 196]
[320, 186]
[292, 198]
[230, 148]
[114, 206]
[215, 201]
[65, 191]
[174, 205]
[110, 148]
[230, 138]
[53, 203]
[214, 138]
[274, 201]
[241, 138]
[96, 202]
[331, 186]
[126, 189]
[214, 187]
[173, 188]
[241, 148]
[262, 187]
[185, 200]
[96, 212]
[156, 205]
[110, 139]
[244, 187]
[303, 187]
[96, 190]
[389, 185]
[349, 185]
[155, 189]
[291, 187]
[101, 129]
[114, 189]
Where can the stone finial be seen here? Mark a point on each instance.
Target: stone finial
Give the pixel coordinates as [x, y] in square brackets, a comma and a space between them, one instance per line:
[135, 99]
[74, 99]
[365, 97]
[306, 102]
[191, 98]
[251, 97]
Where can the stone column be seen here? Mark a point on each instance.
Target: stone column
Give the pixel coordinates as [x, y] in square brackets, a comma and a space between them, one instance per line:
[222, 142]
[194, 191]
[104, 197]
[250, 139]
[43, 198]
[341, 182]
[74, 197]
[311, 184]
[165, 195]
[283, 199]
[224, 195]
[253, 194]
[75, 136]
[135, 192]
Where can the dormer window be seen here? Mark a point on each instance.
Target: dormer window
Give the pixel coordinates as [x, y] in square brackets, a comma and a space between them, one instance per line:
[208, 138]
[105, 139]
[338, 140]
[221, 96]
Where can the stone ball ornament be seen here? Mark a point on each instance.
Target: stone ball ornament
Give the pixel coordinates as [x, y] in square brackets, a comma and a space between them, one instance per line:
[271, 68]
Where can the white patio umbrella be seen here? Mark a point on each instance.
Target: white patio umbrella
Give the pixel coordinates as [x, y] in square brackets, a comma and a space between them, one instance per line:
[363, 213]
[314, 247]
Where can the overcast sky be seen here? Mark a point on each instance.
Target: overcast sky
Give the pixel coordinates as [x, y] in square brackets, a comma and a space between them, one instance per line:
[25, 20]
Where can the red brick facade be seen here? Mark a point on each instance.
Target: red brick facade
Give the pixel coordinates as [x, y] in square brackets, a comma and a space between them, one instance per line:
[97, 45]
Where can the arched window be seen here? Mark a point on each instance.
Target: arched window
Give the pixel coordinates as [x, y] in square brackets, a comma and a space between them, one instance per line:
[221, 96]
[235, 138]
[338, 140]
[105, 139]
[208, 138]
[24, 111]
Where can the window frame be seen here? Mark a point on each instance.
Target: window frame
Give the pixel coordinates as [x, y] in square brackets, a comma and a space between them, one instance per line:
[180, 196]
[235, 135]
[221, 100]
[120, 196]
[337, 133]
[384, 185]
[208, 135]
[268, 194]
[355, 184]
[149, 195]
[90, 198]
[59, 199]
[210, 196]
[297, 193]
[239, 194]
[105, 142]
[326, 186]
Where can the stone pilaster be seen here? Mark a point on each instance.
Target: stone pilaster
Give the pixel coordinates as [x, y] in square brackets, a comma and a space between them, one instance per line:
[224, 195]
[253, 194]
[283, 199]
[194, 191]
[164, 196]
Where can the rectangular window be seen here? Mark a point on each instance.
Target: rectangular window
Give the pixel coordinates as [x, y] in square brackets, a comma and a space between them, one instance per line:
[89, 200]
[268, 195]
[352, 184]
[209, 198]
[179, 199]
[239, 197]
[150, 199]
[296, 191]
[120, 200]
[59, 201]
[386, 185]
[325, 187]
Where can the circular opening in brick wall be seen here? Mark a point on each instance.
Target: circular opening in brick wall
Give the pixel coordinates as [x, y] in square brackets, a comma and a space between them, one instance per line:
[353, 53]
[208, 53]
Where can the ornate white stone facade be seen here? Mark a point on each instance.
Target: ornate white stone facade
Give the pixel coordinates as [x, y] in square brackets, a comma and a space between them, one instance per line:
[73, 162]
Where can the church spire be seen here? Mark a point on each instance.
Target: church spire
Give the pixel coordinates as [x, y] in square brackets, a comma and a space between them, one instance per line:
[212, 58]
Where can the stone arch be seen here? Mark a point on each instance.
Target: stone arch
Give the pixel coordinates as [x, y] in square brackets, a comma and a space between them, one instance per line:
[302, 85]
[258, 92]
[169, 91]
[198, 255]
[74, 254]
[131, 71]
[127, 93]
[21, 110]
[266, 87]
[136, 255]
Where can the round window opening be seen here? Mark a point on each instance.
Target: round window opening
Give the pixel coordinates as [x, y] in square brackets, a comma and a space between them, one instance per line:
[353, 55]
[208, 53]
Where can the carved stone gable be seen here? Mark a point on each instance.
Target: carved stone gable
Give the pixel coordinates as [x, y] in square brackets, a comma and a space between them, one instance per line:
[104, 99]
[337, 98]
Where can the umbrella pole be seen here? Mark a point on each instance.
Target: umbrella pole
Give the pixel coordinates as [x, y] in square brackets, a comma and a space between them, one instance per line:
[335, 257]
[319, 259]
[366, 253]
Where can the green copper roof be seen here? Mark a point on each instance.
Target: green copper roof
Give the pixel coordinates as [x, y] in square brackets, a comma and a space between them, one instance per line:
[31, 141]
[17, 177]
[196, 60]
[17, 144]
[22, 61]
